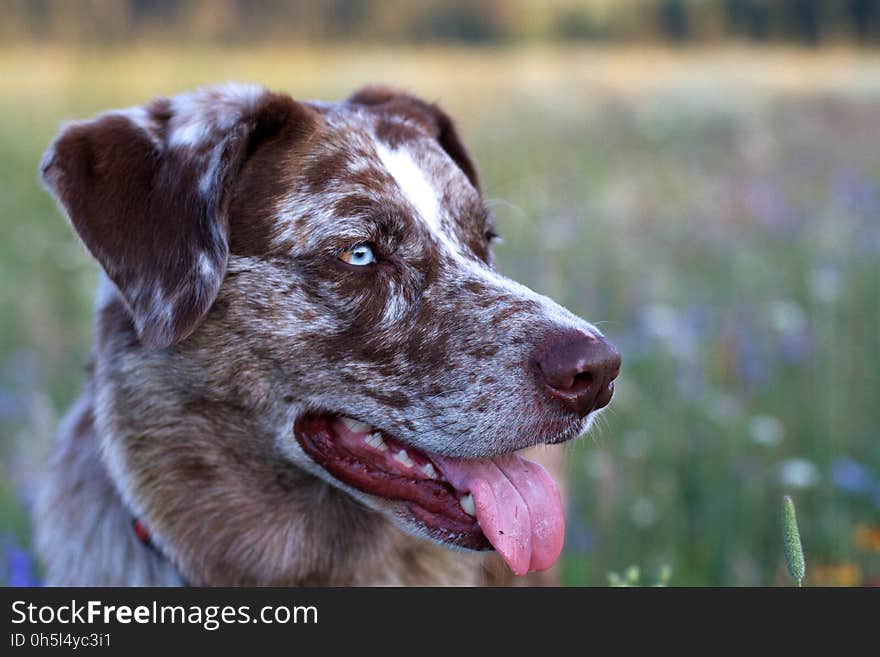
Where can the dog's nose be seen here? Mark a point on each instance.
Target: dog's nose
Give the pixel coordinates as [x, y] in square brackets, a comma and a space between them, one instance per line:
[579, 368]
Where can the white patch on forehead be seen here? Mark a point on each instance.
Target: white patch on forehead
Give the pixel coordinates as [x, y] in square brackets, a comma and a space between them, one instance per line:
[414, 184]
[423, 196]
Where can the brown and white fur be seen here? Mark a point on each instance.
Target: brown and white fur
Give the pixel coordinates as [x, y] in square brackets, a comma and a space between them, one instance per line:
[224, 313]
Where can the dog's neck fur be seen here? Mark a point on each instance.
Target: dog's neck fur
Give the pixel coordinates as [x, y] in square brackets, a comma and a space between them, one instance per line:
[194, 470]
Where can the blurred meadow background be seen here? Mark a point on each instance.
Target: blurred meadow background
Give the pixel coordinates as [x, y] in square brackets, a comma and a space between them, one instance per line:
[699, 178]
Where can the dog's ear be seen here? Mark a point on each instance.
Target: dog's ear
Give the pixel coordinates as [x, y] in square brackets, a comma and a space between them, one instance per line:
[428, 115]
[146, 189]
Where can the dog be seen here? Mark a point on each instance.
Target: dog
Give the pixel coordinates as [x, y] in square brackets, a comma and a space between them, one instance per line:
[306, 367]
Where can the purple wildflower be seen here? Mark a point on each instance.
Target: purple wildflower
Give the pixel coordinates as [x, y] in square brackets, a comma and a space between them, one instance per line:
[852, 477]
[19, 566]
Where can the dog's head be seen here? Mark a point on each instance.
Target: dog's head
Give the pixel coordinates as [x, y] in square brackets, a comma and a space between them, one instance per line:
[340, 256]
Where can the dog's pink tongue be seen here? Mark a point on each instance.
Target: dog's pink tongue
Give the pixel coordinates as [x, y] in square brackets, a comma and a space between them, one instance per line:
[518, 506]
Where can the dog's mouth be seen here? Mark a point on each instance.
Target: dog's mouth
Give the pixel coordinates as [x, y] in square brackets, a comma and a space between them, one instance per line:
[505, 502]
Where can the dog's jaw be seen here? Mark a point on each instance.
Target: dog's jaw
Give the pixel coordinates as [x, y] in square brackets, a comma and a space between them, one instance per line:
[505, 500]
[225, 512]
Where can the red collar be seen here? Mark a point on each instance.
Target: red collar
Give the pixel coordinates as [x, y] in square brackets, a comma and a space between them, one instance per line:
[142, 533]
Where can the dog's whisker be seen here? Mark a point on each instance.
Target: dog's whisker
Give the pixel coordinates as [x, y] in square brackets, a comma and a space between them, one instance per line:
[494, 202]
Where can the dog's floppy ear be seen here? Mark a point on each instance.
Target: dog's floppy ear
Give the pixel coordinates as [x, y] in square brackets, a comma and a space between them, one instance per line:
[146, 189]
[433, 119]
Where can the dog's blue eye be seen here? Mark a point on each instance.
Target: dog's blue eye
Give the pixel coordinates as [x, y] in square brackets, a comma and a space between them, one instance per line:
[360, 255]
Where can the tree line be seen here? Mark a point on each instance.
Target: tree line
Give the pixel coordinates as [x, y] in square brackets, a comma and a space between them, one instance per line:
[460, 21]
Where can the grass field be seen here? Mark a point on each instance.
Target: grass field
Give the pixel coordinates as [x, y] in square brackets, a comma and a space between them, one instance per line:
[717, 213]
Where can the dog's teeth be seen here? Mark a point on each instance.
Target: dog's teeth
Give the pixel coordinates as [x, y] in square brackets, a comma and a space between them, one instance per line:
[467, 503]
[403, 458]
[429, 471]
[375, 441]
[355, 426]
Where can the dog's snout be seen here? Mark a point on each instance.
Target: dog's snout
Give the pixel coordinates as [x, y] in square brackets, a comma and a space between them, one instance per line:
[579, 368]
